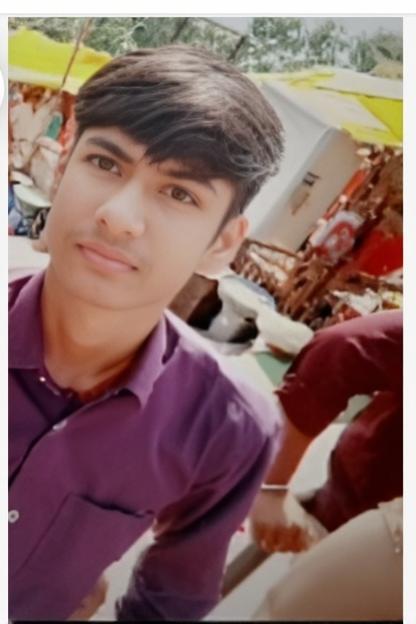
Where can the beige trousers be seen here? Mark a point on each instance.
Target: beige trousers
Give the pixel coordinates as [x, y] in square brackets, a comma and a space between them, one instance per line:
[354, 573]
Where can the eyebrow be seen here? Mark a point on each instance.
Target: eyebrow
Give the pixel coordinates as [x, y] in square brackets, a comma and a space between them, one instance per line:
[189, 174]
[111, 147]
[179, 173]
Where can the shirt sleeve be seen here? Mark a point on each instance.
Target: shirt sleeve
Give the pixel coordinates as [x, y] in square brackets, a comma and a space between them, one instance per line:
[180, 576]
[361, 356]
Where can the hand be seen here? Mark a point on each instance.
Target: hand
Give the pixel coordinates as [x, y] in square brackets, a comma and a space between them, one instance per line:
[92, 601]
[280, 523]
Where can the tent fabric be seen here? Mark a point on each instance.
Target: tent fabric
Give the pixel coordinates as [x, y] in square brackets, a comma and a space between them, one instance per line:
[348, 81]
[390, 112]
[34, 58]
[370, 109]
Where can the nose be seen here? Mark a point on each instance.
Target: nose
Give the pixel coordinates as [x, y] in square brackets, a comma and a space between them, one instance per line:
[123, 214]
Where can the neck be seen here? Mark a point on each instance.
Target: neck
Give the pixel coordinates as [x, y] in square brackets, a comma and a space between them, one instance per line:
[85, 344]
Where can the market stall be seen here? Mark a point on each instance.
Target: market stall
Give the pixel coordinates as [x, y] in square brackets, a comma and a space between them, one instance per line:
[352, 262]
[327, 250]
[44, 76]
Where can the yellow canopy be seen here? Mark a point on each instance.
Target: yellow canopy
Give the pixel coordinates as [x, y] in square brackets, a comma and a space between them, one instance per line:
[370, 109]
[36, 59]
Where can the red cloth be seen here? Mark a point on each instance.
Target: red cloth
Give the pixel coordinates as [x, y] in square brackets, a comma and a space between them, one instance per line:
[380, 254]
[360, 356]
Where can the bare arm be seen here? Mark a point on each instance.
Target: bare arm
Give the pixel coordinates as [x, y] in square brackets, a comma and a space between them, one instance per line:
[278, 521]
[292, 447]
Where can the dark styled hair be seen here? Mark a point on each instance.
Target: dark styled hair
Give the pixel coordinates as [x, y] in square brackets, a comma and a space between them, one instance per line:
[187, 104]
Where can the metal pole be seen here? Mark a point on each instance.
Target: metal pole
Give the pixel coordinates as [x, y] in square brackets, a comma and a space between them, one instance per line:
[240, 42]
[179, 29]
[81, 35]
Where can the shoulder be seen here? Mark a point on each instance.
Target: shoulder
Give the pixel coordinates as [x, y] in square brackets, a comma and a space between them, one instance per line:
[230, 400]
[18, 278]
[374, 326]
[355, 339]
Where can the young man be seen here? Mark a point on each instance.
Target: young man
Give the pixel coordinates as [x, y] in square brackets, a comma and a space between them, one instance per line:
[119, 421]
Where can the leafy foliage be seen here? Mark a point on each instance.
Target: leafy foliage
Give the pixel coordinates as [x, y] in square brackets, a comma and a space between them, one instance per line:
[272, 43]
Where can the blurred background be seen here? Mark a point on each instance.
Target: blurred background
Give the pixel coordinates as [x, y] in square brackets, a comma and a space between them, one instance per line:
[259, 44]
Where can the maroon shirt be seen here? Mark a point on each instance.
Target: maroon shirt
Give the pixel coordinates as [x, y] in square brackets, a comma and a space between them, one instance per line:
[360, 356]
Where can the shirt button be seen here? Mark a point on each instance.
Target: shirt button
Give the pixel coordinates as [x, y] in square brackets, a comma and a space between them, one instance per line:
[59, 425]
[13, 516]
[42, 379]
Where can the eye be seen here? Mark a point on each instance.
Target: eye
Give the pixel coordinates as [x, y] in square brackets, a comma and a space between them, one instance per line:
[179, 194]
[104, 163]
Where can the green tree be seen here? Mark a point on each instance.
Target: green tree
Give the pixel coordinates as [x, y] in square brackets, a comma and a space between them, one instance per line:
[207, 34]
[272, 43]
[362, 55]
[286, 44]
[328, 44]
[57, 28]
[383, 47]
[118, 35]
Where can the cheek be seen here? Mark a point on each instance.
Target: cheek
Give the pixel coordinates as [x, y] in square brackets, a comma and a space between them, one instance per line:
[177, 254]
[72, 204]
[77, 193]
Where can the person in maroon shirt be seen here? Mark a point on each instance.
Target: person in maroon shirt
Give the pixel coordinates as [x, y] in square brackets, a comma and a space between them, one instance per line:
[360, 356]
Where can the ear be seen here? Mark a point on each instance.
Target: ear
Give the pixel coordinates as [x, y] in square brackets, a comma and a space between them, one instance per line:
[222, 251]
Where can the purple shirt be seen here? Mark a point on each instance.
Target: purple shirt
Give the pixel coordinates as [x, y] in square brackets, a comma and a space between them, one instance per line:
[181, 444]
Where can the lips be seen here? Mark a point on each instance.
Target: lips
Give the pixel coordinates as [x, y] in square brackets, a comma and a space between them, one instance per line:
[106, 258]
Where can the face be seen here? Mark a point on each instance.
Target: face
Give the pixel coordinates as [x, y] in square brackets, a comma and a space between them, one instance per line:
[124, 233]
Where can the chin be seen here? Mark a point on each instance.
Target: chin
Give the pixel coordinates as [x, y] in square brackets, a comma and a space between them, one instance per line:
[115, 296]
[85, 287]
[111, 292]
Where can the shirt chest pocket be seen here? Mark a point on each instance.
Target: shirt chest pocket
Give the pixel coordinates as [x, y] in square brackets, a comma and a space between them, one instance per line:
[83, 539]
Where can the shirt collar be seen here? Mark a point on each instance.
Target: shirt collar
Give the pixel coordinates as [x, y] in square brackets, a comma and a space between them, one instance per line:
[149, 363]
[26, 341]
